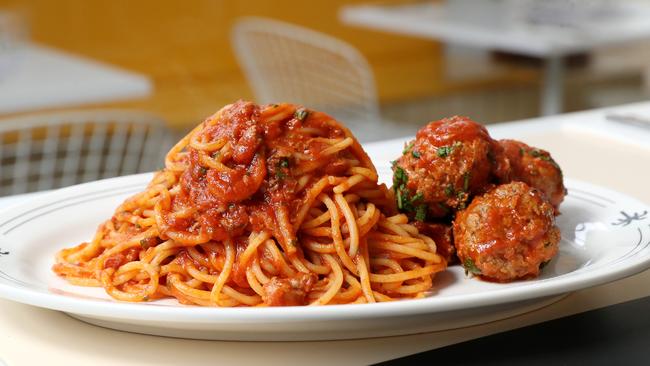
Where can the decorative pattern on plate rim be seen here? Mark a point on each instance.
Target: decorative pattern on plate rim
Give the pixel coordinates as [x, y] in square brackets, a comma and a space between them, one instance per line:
[627, 218]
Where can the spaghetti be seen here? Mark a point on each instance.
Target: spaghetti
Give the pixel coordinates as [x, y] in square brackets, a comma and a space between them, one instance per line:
[259, 206]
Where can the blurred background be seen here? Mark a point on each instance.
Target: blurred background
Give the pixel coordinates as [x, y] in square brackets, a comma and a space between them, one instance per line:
[93, 89]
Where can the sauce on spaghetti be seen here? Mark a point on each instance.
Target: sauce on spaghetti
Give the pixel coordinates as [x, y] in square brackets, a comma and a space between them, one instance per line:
[271, 205]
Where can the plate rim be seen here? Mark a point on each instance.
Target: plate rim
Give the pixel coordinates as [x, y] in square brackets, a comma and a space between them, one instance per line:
[195, 314]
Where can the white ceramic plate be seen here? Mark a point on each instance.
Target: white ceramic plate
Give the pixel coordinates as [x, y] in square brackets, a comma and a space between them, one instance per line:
[605, 236]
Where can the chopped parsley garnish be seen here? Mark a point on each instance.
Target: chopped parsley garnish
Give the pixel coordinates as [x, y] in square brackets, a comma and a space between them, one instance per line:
[282, 168]
[408, 147]
[421, 212]
[521, 151]
[203, 170]
[449, 190]
[301, 114]
[444, 151]
[471, 267]
[405, 201]
[536, 153]
[399, 177]
[415, 154]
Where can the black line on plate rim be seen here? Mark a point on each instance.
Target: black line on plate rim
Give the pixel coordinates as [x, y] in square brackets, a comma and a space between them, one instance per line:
[570, 189]
[588, 200]
[68, 205]
[130, 186]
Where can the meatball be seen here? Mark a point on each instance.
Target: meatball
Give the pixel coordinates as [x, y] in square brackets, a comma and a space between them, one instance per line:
[536, 168]
[449, 161]
[507, 234]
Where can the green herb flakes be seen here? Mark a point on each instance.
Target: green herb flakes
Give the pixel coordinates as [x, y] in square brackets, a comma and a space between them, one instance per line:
[421, 212]
[471, 267]
[301, 114]
[449, 190]
[408, 147]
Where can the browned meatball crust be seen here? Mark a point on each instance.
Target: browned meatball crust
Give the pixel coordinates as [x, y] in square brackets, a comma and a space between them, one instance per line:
[449, 161]
[536, 168]
[506, 234]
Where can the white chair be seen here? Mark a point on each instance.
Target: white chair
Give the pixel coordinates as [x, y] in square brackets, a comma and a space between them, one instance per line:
[288, 63]
[46, 151]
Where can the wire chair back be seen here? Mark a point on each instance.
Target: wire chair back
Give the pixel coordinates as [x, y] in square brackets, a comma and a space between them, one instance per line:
[286, 62]
[47, 151]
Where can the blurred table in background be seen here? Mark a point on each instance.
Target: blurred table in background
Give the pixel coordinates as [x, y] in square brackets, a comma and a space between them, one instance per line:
[493, 29]
[43, 78]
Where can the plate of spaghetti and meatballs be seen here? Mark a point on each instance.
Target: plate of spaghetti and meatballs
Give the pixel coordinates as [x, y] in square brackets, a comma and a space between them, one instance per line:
[272, 222]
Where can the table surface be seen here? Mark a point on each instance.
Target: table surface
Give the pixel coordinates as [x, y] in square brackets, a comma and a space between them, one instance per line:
[584, 144]
[42, 77]
[432, 21]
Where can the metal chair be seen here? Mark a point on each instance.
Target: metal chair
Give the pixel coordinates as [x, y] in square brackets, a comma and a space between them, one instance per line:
[285, 62]
[46, 151]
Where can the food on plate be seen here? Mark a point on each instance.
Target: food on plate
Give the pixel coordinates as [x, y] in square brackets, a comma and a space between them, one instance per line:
[259, 205]
[496, 194]
[442, 234]
[506, 234]
[450, 161]
[537, 168]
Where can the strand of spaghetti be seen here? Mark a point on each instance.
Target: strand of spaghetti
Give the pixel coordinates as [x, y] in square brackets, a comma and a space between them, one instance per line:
[344, 143]
[364, 279]
[381, 297]
[253, 282]
[197, 256]
[224, 274]
[249, 300]
[365, 171]
[107, 282]
[336, 281]
[410, 229]
[390, 226]
[259, 274]
[352, 224]
[336, 234]
[422, 286]
[212, 163]
[286, 230]
[187, 238]
[277, 112]
[82, 281]
[309, 200]
[317, 221]
[279, 258]
[306, 266]
[206, 146]
[395, 238]
[317, 247]
[349, 183]
[89, 251]
[255, 239]
[385, 262]
[406, 275]
[403, 249]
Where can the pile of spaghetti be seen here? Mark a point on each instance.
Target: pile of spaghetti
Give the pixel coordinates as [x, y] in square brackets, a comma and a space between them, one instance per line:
[259, 206]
